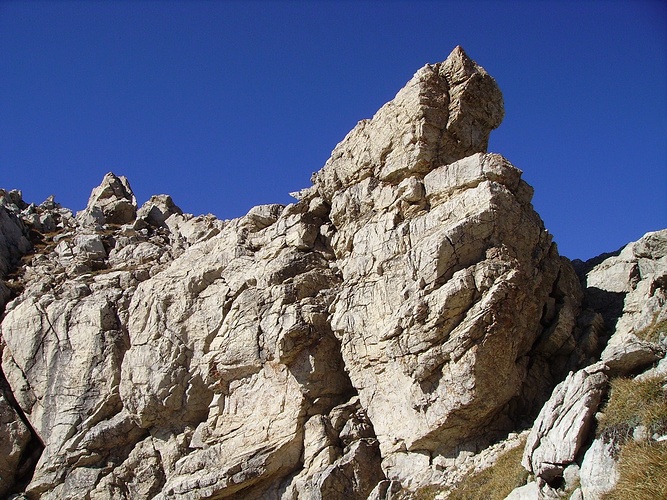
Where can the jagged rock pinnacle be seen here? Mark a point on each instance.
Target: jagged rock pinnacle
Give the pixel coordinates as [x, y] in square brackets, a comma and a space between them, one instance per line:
[112, 202]
[410, 306]
[444, 113]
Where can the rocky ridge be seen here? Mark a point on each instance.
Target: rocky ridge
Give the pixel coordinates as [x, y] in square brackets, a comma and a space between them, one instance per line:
[385, 332]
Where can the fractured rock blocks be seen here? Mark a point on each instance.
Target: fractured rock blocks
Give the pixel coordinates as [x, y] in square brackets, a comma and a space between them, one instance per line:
[337, 347]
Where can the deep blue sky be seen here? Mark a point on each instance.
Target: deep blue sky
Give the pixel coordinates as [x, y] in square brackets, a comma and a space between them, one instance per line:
[226, 105]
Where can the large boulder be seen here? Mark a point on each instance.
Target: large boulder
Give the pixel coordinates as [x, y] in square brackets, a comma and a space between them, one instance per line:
[450, 281]
[599, 469]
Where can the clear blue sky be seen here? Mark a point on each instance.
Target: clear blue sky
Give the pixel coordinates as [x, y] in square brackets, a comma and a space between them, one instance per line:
[226, 105]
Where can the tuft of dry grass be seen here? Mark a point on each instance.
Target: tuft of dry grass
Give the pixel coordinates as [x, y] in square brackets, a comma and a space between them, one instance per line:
[653, 332]
[427, 492]
[495, 482]
[632, 403]
[642, 472]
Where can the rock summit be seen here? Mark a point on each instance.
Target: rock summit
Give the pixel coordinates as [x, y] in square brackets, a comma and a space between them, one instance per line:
[379, 336]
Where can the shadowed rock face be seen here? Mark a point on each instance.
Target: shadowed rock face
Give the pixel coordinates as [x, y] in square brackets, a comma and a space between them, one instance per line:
[410, 303]
[563, 437]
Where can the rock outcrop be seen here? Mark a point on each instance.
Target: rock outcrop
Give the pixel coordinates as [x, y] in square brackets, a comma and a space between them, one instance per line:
[564, 423]
[409, 310]
[13, 239]
[628, 294]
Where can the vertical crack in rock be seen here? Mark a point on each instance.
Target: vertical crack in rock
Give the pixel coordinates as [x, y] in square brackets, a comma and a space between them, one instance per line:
[22, 446]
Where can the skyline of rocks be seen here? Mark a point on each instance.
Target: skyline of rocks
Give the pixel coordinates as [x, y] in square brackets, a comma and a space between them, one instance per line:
[387, 332]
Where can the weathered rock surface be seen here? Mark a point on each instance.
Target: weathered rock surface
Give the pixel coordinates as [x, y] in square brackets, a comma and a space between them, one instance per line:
[112, 202]
[564, 422]
[599, 469]
[409, 310]
[13, 239]
[530, 491]
[640, 273]
[627, 292]
[445, 113]
[15, 437]
[429, 301]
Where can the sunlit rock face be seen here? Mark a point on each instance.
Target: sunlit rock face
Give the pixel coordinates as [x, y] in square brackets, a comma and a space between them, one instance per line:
[452, 289]
[409, 305]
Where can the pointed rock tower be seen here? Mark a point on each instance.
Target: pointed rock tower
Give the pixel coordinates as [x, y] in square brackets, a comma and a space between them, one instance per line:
[409, 305]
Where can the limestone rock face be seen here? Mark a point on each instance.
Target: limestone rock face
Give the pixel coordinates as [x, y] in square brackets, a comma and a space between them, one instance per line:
[158, 209]
[14, 436]
[599, 469]
[439, 285]
[445, 113]
[639, 275]
[13, 238]
[407, 311]
[439, 289]
[112, 202]
[626, 294]
[563, 424]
